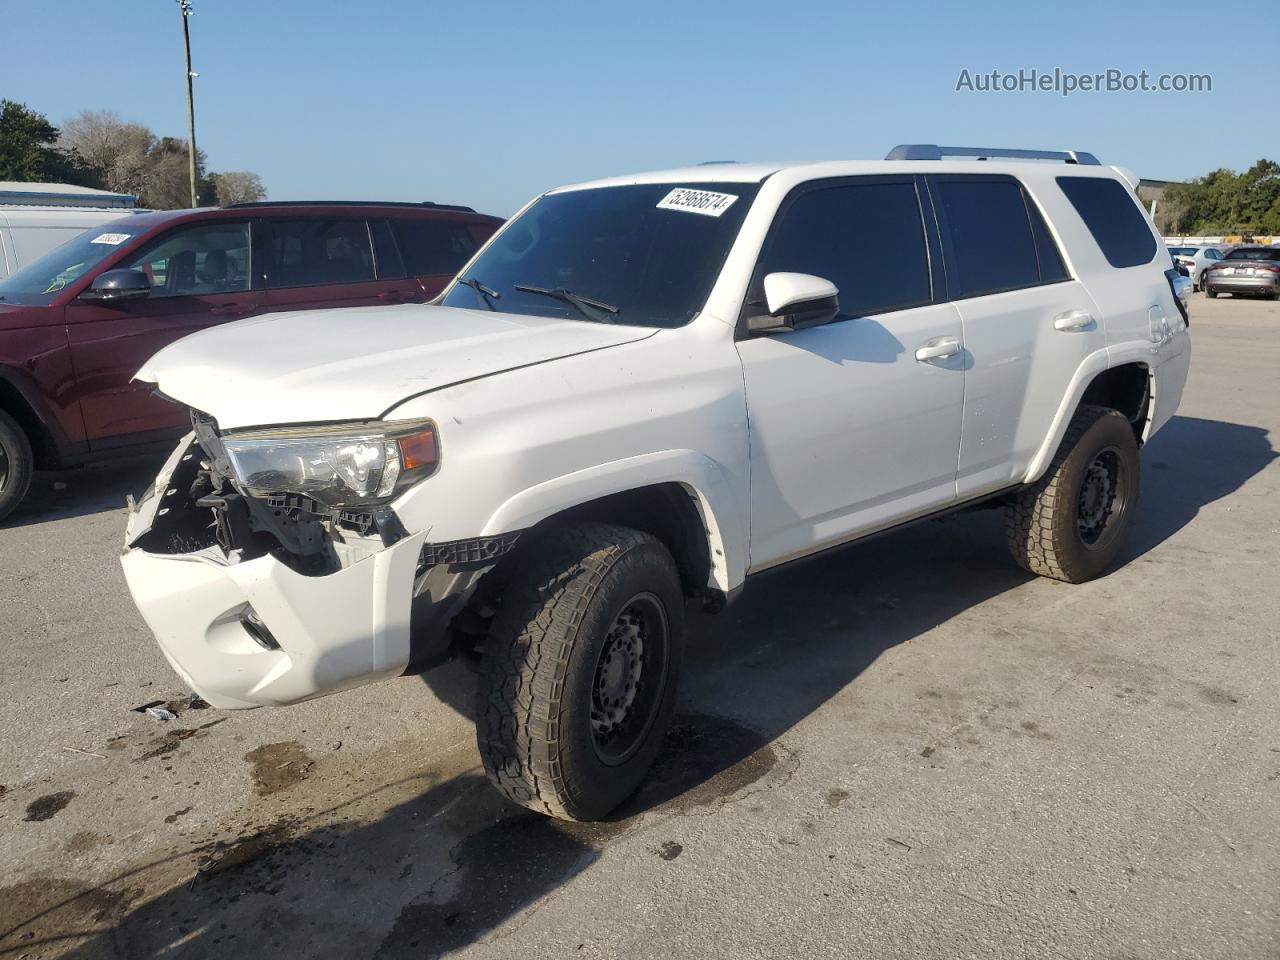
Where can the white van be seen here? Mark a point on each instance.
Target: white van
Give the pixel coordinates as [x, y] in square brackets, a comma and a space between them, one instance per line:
[37, 217]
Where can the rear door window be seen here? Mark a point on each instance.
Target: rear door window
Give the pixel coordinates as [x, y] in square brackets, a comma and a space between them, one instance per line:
[386, 253]
[829, 231]
[1048, 256]
[1110, 211]
[434, 247]
[313, 251]
[987, 236]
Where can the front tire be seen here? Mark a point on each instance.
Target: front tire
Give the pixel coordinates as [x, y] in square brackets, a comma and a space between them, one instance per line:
[578, 678]
[16, 464]
[1071, 525]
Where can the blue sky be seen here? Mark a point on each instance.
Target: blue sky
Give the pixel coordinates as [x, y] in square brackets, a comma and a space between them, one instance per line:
[487, 103]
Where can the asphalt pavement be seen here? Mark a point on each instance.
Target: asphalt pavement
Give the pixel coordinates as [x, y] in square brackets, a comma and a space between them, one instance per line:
[907, 749]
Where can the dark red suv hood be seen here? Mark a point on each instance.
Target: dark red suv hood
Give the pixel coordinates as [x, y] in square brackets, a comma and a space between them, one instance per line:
[14, 316]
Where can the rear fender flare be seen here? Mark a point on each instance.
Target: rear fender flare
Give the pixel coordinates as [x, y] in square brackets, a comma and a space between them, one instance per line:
[1092, 365]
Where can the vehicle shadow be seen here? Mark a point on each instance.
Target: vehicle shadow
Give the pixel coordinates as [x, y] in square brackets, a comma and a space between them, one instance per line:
[1188, 465]
[62, 494]
[448, 865]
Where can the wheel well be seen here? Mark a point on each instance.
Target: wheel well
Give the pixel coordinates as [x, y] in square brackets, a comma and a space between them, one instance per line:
[15, 405]
[1126, 388]
[666, 511]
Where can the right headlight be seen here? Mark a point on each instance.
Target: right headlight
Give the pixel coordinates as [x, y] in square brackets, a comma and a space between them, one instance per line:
[355, 464]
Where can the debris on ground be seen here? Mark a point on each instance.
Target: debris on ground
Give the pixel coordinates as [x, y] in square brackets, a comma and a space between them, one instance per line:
[170, 709]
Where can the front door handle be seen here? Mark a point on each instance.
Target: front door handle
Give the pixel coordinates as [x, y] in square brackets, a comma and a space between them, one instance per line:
[939, 348]
[1073, 320]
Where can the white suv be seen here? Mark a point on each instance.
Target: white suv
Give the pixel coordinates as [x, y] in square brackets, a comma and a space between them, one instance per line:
[644, 390]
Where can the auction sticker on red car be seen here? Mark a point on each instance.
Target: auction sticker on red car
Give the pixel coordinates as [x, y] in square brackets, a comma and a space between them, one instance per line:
[707, 202]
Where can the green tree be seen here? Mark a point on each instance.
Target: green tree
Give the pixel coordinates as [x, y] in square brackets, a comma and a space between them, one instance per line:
[1225, 202]
[29, 150]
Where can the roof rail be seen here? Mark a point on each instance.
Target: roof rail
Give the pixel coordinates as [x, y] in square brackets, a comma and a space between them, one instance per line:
[931, 151]
[349, 203]
[712, 163]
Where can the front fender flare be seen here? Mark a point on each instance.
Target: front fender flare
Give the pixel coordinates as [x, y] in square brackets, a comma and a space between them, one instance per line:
[702, 477]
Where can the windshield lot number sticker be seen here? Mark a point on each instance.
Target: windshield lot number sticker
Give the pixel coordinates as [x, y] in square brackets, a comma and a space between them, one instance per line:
[706, 202]
[115, 239]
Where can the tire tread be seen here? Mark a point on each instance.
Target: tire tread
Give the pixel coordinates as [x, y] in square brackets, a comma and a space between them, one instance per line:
[527, 656]
[1036, 538]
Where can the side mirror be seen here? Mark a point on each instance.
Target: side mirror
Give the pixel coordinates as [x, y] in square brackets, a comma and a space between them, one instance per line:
[118, 285]
[795, 301]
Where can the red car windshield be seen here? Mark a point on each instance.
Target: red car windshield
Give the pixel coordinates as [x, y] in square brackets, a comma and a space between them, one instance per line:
[36, 284]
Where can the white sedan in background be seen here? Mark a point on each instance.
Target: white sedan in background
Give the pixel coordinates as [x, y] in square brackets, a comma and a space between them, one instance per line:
[1195, 260]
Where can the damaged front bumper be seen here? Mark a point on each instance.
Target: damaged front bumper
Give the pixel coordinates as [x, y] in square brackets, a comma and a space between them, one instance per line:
[297, 607]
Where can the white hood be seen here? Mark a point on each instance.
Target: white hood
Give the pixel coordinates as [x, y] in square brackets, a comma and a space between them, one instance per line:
[356, 363]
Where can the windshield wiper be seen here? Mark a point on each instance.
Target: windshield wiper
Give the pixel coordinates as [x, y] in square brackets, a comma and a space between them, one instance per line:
[580, 303]
[488, 295]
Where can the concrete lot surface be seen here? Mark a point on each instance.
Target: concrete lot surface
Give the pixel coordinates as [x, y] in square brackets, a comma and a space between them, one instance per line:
[908, 749]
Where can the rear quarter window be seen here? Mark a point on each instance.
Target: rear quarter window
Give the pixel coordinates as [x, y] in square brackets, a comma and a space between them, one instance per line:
[1111, 213]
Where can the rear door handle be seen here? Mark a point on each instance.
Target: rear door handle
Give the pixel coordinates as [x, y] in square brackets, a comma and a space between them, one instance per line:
[232, 309]
[939, 348]
[1073, 320]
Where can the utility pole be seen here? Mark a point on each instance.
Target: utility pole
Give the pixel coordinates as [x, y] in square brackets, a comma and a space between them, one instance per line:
[185, 7]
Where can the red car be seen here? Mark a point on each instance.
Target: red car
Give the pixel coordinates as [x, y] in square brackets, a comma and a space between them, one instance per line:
[77, 324]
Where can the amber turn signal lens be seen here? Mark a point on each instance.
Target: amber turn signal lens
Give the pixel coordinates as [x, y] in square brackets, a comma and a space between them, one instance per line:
[418, 450]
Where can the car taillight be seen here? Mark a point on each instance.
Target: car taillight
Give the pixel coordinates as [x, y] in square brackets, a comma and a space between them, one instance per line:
[1266, 266]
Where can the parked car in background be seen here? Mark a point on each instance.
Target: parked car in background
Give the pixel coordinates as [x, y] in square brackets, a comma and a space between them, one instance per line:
[645, 390]
[76, 324]
[1193, 261]
[1246, 270]
[37, 217]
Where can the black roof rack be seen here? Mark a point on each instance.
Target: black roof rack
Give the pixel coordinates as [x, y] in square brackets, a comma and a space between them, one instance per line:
[350, 203]
[931, 151]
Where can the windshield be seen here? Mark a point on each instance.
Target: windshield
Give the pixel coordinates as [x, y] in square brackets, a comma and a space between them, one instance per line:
[649, 253]
[40, 281]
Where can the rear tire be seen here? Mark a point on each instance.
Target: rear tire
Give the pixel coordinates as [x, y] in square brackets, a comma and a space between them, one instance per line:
[578, 677]
[1071, 525]
[16, 464]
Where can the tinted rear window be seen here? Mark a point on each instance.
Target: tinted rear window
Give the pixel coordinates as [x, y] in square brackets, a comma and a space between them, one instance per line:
[317, 250]
[989, 243]
[1255, 253]
[1111, 213]
[434, 247]
[827, 232]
